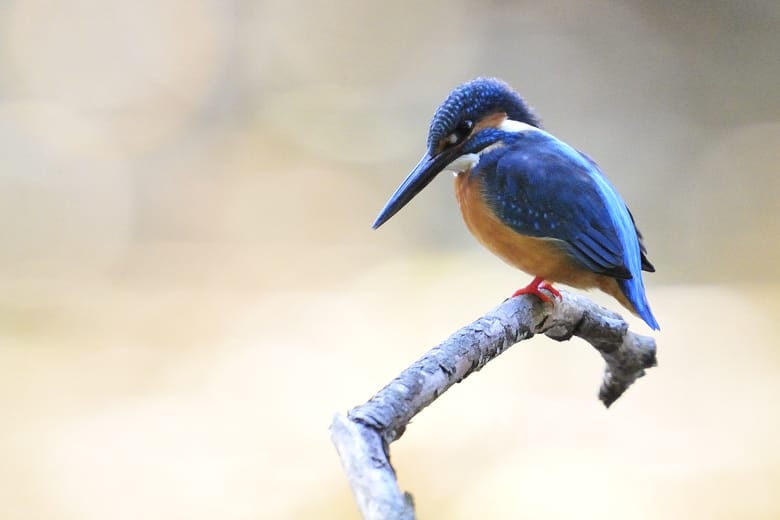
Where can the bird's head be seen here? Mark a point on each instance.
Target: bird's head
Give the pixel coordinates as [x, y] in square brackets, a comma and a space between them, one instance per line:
[476, 115]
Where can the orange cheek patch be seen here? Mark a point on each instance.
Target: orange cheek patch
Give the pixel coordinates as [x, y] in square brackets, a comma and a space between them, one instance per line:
[491, 121]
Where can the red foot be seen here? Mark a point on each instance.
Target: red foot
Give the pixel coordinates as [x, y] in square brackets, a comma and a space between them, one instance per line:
[535, 287]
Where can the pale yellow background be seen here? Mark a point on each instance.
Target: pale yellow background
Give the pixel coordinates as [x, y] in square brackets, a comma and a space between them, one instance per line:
[189, 288]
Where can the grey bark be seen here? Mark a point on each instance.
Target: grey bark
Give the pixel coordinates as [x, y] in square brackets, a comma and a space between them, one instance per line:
[362, 436]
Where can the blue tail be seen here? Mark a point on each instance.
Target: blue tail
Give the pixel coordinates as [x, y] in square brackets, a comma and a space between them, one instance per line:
[634, 289]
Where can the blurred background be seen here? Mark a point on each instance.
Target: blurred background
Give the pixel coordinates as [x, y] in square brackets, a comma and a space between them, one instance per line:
[189, 287]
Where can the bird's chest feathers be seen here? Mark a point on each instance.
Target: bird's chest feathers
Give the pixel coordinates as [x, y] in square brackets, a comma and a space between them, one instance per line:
[537, 256]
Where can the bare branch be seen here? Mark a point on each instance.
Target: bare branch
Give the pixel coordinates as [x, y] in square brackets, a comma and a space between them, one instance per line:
[362, 436]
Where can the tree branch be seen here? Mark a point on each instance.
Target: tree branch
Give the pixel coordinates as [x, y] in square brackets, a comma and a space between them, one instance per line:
[362, 437]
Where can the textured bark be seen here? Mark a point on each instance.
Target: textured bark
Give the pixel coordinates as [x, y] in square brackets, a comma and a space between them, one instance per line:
[362, 436]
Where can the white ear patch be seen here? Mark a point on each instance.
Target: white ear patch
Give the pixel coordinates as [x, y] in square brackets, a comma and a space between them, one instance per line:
[463, 163]
[515, 127]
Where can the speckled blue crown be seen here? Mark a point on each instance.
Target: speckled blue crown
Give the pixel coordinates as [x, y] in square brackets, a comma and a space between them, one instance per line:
[474, 100]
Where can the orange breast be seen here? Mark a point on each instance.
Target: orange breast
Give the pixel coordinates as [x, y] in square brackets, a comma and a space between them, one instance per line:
[536, 256]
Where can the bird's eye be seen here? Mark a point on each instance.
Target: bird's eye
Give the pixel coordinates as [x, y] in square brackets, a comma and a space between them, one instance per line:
[461, 132]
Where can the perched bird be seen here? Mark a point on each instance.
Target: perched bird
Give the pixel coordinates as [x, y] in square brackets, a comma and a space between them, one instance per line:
[530, 198]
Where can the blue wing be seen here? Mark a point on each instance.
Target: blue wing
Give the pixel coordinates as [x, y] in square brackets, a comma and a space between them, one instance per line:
[544, 190]
[646, 265]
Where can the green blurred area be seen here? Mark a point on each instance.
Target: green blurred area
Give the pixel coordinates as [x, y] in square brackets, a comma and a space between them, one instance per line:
[189, 287]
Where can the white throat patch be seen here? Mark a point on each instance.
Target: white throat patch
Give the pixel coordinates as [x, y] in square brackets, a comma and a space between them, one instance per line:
[463, 163]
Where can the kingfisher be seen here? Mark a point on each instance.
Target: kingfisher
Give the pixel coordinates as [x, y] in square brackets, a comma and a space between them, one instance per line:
[533, 200]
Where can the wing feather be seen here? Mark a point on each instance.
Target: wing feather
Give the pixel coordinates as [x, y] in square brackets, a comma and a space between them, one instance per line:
[545, 190]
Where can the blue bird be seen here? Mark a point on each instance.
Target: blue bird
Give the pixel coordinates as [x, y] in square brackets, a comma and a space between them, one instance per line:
[530, 198]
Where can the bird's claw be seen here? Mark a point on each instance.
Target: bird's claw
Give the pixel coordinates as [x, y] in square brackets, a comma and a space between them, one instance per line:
[536, 287]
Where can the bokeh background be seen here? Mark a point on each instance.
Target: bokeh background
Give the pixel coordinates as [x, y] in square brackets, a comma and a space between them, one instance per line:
[189, 287]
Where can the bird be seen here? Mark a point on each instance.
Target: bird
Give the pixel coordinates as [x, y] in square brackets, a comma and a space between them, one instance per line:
[533, 200]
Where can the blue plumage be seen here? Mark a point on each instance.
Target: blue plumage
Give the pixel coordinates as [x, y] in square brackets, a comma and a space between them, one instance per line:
[473, 100]
[542, 187]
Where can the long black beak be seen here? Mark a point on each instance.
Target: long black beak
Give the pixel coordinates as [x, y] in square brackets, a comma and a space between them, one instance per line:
[421, 176]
